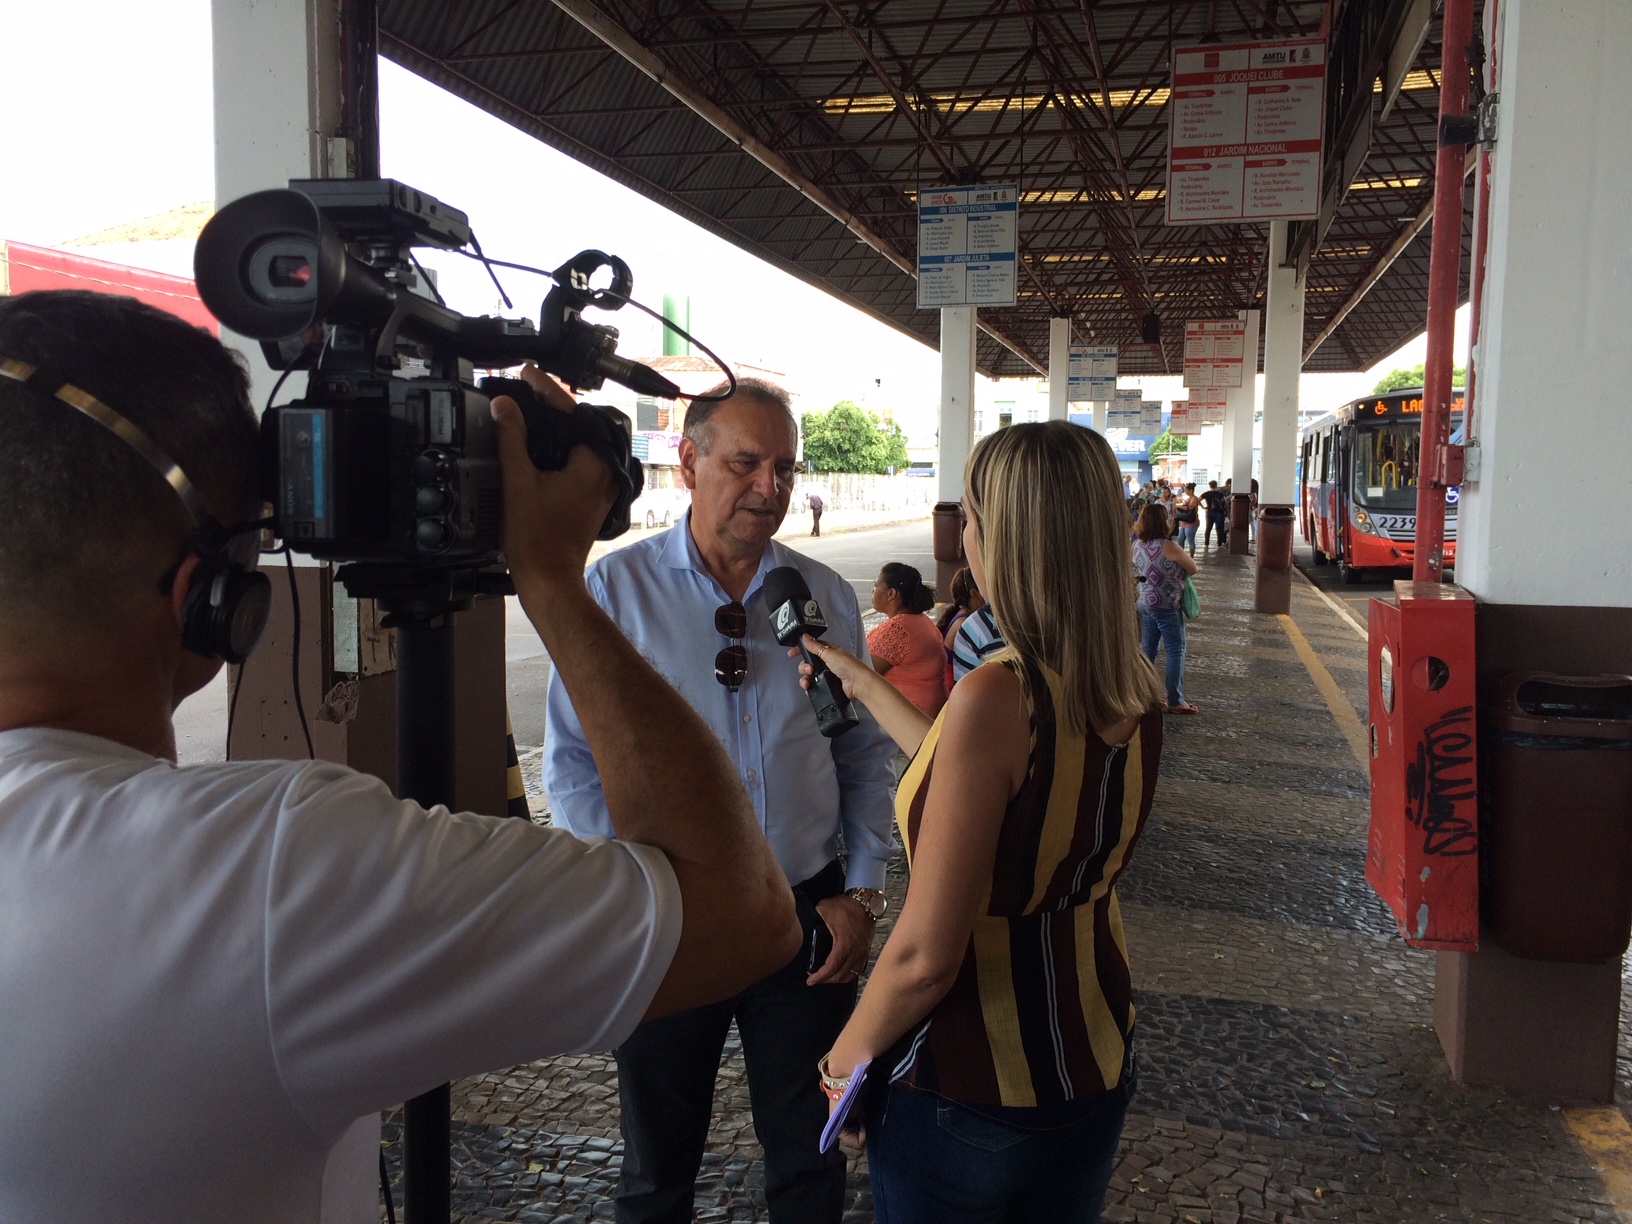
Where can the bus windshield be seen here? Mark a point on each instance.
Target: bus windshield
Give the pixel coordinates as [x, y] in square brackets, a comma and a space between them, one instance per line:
[1387, 459]
[1385, 464]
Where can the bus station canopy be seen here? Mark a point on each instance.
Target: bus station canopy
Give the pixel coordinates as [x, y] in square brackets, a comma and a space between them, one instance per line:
[803, 131]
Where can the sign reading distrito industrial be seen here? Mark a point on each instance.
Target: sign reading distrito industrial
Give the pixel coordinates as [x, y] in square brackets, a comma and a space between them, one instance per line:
[1244, 131]
[968, 238]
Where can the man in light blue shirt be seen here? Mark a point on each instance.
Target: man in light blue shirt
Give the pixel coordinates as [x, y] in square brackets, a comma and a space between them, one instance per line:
[690, 600]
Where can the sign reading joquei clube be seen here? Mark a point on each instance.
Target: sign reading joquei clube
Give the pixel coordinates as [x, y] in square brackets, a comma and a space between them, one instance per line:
[1244, 131]
[1214, 352]
[967, 241]
[1093, 372]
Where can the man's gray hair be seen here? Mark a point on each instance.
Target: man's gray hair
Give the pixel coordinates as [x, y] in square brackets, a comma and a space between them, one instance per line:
[763, 391]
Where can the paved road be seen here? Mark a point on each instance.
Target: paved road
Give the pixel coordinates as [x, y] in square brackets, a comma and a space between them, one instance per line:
[1379, 584]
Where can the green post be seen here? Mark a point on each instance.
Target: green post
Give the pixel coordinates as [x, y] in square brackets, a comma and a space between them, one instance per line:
[678, 312]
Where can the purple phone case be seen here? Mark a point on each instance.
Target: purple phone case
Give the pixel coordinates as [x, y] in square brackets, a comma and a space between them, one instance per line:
[835, 1120]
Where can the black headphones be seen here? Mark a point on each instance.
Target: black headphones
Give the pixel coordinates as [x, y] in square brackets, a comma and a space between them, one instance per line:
[227, 604]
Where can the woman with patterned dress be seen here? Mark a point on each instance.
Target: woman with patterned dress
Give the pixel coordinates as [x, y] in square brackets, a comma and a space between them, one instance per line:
[998, 1022]
[1163, 566]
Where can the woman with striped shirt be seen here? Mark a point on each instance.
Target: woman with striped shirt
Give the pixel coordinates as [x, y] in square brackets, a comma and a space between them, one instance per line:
[999, 1019]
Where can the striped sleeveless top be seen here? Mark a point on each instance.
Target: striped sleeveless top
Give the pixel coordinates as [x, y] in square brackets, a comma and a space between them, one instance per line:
[1041, 1010]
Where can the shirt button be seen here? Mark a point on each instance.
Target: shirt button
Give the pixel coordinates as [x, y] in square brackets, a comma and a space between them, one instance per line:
[752, 775]
[747, 718]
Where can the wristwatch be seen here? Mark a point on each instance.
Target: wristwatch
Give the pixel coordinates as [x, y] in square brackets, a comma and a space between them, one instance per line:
[871, 899]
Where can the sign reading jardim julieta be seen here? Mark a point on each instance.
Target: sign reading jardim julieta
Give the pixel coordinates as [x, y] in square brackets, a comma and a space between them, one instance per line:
[968, 238]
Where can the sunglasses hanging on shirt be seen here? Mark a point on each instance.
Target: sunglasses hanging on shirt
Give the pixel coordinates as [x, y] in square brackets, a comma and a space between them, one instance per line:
[731, 664]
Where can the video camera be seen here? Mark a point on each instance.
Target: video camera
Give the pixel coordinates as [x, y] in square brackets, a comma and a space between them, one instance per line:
[372, 465]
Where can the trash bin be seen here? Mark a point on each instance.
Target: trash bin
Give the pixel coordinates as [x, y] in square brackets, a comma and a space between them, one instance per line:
[948, 533]
[1558, 816]
[1275, 537]
[1240, 519]
[1240, 511]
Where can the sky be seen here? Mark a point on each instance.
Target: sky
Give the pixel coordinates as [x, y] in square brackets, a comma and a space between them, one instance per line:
[133, 137]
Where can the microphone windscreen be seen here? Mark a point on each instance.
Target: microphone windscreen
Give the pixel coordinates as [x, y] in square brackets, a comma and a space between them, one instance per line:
[782, 584]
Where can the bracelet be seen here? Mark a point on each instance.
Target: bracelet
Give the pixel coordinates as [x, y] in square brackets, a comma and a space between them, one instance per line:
[833, 1087]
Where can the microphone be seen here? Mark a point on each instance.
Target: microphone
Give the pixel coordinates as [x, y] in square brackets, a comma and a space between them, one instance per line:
[793, 614]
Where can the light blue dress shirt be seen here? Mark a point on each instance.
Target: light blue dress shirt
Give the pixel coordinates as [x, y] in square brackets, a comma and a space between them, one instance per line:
[805, 788]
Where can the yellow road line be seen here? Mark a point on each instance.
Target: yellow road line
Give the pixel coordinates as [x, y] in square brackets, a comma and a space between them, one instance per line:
[1606, 1139]
[1349, 618]
[1347, 720]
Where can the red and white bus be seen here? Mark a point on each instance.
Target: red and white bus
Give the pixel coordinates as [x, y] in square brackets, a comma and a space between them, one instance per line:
[24, 267]
[1357, 483]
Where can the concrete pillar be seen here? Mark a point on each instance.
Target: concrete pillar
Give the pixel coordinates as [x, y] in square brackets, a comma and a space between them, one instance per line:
[1101, 410]
[1240, 407]
[1278, 447]
[1059, 368]
[957, 421]
[1554, 594]
[278, 110]
[1283, 365]
[277, 99]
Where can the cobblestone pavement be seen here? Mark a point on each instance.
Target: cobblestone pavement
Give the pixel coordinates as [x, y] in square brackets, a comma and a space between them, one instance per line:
[1288, 1067]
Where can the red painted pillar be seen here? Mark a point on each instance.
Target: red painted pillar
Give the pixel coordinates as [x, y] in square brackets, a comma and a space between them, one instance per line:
[1443, 270]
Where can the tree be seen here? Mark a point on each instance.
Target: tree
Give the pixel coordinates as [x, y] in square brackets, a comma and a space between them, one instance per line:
[1395, 379]
[1170, 443]
[846, 438]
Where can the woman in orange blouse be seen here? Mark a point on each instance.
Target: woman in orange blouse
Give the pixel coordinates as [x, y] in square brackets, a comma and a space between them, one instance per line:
[907, 649]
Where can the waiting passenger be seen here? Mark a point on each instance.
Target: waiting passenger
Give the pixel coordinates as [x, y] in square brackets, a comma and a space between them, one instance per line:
[1217, 502]
[1187, 514]
[966, 600]
[1163, 565]
[907, 650]
[969, 1117]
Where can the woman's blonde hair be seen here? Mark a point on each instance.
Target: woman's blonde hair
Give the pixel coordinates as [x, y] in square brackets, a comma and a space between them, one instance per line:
[1047, 500]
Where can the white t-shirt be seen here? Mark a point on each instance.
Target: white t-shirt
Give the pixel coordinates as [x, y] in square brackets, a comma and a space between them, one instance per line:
[207, 974]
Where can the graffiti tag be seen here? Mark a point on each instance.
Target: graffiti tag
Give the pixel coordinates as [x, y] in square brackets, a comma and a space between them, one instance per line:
[1439, 781]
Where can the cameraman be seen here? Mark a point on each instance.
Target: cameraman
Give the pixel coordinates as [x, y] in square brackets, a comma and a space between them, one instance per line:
[208, 974]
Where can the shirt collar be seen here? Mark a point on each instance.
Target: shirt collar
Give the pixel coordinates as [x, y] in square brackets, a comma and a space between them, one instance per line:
[680, 552]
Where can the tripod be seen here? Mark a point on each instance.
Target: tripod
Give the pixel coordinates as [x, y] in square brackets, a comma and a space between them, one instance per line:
[419, 605]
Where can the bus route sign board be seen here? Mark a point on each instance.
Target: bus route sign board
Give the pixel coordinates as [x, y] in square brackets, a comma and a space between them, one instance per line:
[1126, 411]
[1185, 419]
[1244, 131]
[1093, 372]
[968, 239]
[1214, 352]
[1150, 416]
[1209, 403]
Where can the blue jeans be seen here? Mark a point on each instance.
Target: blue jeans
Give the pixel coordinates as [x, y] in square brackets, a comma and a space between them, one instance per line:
[1187, 536]
[1167, 626]
[934, 1161]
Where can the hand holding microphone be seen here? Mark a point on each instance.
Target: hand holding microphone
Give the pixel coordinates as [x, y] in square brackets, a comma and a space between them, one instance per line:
[794, 616]
[851, 671]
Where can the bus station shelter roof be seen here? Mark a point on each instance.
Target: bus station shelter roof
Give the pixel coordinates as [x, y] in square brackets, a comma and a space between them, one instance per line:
[803, 131]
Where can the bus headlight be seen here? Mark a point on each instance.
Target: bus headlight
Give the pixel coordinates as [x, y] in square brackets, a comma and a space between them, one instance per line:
[1363, 522]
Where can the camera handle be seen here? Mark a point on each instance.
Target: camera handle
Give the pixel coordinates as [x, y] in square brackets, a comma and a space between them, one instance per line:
[419, 605]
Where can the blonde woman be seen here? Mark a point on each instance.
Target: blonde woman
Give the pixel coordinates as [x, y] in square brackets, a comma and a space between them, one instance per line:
[998, 1020]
